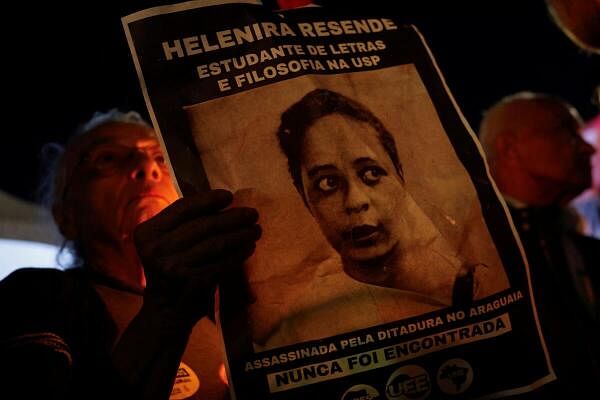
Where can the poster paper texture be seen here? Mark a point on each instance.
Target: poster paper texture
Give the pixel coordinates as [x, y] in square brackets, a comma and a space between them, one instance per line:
[388, 267]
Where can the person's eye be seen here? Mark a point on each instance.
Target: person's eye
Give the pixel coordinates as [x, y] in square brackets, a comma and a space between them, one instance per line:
[372, 175]
[160, 159]
[327, 184]
[105, 159]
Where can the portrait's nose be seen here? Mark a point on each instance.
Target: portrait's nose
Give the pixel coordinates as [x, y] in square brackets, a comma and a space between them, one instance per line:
[146, 167]
[356, 199]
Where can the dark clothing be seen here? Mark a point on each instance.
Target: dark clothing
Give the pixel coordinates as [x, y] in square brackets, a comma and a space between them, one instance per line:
[558, 259]
[53, 321]
[57, 334]
[201, 369]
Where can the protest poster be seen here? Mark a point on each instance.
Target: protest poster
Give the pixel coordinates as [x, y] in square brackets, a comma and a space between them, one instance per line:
[388, 266]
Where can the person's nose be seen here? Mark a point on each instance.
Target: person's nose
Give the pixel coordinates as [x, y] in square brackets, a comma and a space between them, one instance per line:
[146, 167]
[356, 200]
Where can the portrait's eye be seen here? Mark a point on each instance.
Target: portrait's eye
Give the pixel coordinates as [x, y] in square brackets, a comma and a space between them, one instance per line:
[371, 175]
[327, 184]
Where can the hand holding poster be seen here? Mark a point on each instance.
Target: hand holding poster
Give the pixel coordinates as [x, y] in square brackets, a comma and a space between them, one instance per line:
[388, 267]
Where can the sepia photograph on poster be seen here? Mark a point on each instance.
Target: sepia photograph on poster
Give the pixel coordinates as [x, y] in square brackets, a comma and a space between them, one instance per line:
[388, 266]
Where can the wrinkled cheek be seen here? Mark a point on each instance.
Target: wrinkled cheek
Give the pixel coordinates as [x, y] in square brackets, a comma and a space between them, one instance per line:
[172, 194]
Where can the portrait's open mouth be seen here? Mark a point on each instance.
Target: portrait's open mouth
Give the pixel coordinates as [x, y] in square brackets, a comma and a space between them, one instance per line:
[363, 235]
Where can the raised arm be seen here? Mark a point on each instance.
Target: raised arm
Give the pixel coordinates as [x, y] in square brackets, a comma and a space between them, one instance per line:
[186, 251]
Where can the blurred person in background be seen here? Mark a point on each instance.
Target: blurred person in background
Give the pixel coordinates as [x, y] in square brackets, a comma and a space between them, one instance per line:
[540, 163]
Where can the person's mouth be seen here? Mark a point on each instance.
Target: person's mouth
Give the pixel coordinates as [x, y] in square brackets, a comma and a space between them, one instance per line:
[363, 235]
[147, 195]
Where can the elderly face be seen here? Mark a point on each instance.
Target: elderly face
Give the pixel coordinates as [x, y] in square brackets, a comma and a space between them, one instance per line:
[552, 151]
[351, 187]
[120, 180]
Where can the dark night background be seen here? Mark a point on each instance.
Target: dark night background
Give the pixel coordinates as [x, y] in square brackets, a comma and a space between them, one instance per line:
[63, 62]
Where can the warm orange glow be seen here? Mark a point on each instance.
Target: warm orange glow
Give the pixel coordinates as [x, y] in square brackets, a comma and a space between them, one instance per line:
[223, 374]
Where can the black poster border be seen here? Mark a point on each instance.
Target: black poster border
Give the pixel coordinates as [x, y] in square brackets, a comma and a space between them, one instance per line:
[405, 46]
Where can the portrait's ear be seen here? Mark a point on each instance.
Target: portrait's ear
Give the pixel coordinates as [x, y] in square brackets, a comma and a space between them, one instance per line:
[63, 217]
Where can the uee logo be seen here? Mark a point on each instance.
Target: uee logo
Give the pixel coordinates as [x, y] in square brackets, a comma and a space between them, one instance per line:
[409, 382]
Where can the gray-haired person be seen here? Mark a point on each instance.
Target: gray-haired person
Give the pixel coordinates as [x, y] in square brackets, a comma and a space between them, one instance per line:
[132, 314]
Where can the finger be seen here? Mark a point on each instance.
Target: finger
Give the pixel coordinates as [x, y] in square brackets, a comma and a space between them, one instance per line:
[208, 274]
[210, 250]
[185, 209]
[203, 227]
[187, 188]
[231, 262]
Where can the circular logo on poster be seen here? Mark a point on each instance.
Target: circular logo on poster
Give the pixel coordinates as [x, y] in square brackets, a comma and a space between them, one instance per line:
[409, 382]
[361, 392]
[455, 376]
